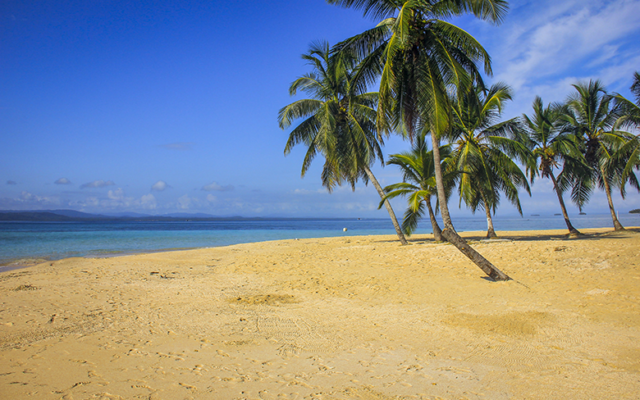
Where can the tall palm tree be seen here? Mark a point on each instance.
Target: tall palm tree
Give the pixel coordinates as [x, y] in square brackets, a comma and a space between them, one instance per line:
[550, 146]
[629, 154]
[419, 185]
[339, 123]
[590, 115]
[418, 57]
[484, 150]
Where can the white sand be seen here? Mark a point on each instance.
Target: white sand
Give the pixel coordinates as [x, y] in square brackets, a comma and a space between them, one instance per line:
[337, 318]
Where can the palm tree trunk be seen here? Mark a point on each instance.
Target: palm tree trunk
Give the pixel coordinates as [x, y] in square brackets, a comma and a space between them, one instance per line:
[449, 232]
[491, 233]
[394, 220]
[573, 232]
[607, 189]
[437, 232]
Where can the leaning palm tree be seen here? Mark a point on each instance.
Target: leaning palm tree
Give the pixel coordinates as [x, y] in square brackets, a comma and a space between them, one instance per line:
[339, 123]
[419, 185]
[418, 57]
[550, 146]
[590, 116]
[628, 155]
[484, 150]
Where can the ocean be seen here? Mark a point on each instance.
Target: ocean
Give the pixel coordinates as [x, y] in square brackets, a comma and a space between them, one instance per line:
[56, 240]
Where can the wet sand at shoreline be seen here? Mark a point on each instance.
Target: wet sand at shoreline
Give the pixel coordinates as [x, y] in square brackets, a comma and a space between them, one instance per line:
[333, 318]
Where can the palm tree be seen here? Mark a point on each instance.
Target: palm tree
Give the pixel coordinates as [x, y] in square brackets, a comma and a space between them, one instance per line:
[418, 56]
[419, 185]
[629, 154]
[590, 117]
[484, 150]
[339, 123]
[549, 146]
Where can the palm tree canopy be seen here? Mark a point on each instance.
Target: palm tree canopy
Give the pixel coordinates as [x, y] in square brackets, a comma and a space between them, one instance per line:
[549, 145]
[635, 87]
[417, 55]
[377, 9]
[591, 115]
[628, 156]
[630, 111]
[338, 121]
[419, 182]
[485, 150]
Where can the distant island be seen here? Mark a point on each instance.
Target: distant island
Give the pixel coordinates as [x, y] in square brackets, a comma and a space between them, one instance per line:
[77, 216]
[636, 211]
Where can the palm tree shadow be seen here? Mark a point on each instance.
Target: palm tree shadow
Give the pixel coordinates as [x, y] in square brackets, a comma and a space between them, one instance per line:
[514, 236]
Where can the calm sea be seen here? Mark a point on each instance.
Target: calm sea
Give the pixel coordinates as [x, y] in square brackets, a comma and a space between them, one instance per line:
[55, 240]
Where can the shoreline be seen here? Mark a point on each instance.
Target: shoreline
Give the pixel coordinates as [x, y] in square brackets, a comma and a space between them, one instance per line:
[358, 317]
[56, 241]
[476, 235]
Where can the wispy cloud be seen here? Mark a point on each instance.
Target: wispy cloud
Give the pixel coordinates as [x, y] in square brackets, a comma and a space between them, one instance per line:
[160, 186]
[62, 181]
[214, 186]
[12, 182]
[307, 192]
[116, 199]
[184, 202]
[97, 184]
[545, 44]
[180, 146]
[148, 202]
[30, 201]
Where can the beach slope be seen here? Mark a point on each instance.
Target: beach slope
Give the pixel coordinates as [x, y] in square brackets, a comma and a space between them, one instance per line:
[334, 318]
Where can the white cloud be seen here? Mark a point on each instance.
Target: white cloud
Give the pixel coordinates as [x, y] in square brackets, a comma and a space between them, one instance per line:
[148, 202]
[307, 192]
[184, 202]
[117, 195]
[211, 198]
[116, 199]
[29, 201]
[62, 181]
[97, 184]
[214, 186]
[92, 201]
[159, 186]
[546, 44]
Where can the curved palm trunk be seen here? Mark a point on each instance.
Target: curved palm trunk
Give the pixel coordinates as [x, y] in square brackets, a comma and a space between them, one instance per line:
[607, 189]
[394, 220]
[437, 232]
[573, 232]
[450, 233]
[491, 233]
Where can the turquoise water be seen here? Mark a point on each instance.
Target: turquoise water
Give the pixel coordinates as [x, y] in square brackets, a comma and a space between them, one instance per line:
[55, 240]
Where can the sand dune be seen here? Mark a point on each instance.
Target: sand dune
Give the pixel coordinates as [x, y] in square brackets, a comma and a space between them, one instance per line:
[336, 318]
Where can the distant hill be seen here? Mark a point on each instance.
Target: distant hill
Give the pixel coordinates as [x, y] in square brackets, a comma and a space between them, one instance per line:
[636, 211]
[126, 215]
[31, 216]
[187, 215]
[71, 215]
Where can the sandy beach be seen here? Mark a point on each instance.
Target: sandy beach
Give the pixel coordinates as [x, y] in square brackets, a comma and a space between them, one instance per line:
[334, 318]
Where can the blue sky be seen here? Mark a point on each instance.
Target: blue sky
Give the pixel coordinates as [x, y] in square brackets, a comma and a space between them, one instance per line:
[160, 107]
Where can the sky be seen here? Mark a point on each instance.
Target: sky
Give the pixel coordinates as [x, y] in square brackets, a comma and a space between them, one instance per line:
[160, 107]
